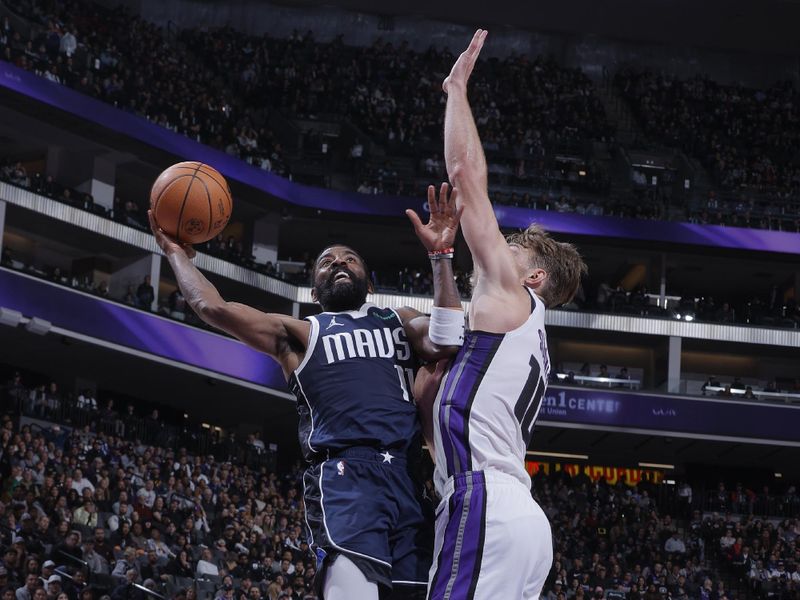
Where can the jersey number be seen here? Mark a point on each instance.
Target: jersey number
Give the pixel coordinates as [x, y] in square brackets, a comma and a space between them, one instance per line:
[529, 399]
[406, 382]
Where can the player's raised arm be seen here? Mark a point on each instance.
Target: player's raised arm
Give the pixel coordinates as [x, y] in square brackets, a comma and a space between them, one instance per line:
[441, 334]
[280, 336]
[466, 167]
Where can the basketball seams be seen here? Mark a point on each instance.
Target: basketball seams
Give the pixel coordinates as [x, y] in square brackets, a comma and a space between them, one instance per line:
[183, 204]
[190, 206]
[210, 174]
[164, 190]
[226, 190]
[213, 174]
[210, 207]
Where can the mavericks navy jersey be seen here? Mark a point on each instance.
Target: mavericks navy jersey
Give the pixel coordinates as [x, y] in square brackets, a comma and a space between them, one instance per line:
[354, 385]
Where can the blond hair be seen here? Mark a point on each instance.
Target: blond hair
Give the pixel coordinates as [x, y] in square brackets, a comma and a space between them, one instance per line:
[561, 261]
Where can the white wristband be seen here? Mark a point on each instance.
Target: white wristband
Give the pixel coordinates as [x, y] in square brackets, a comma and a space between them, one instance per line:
[447, 326]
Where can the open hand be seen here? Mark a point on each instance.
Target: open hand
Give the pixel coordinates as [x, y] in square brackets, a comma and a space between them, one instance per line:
[462, 68]
[166, 243]
[440, 231]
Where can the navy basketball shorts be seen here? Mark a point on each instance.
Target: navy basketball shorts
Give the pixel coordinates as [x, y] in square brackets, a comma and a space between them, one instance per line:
[369, 506]
[492, 540]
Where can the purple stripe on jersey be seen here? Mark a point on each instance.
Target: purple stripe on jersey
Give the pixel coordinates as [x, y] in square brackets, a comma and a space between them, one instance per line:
[449, 414]
[447, 553]
[470, 550]
[462, 546]
[464, 379]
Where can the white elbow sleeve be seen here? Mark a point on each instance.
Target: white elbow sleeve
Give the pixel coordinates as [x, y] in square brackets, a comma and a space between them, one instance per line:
[447, 326]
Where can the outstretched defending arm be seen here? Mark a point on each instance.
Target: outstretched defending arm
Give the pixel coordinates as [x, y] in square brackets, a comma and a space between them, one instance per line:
[440, 335]
[466, 167]
[444, 330]
[280, 336]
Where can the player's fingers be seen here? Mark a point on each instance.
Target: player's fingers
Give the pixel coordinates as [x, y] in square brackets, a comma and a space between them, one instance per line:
[453, 199]
[444, 203]
[152, 219]
[414, 218]
[477, 42]
[476, 39]
[475, 50]
[433, 203]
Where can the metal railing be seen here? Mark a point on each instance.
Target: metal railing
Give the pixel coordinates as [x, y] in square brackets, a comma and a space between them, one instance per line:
[756, 393]
[747, 502]
[604, 381]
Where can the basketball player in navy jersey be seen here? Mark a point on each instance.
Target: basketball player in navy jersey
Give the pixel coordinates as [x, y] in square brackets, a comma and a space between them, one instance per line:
[351, 368]
[492, 539]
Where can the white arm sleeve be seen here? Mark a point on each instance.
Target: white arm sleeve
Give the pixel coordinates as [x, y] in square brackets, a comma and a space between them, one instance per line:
[447, 326]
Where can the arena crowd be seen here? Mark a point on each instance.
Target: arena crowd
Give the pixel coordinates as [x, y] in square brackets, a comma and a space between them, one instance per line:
[537, 118]
[95, 511]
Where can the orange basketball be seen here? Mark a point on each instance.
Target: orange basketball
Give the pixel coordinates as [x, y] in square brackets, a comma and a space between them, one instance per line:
[191, 202]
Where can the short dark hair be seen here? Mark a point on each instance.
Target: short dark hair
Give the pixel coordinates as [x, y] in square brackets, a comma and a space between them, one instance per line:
[561, 261]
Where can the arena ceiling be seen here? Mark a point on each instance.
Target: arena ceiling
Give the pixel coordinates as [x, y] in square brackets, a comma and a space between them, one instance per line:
[752, 25]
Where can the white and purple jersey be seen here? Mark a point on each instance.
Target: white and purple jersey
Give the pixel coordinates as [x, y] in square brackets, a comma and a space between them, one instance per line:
[492, 539]
[489, 400]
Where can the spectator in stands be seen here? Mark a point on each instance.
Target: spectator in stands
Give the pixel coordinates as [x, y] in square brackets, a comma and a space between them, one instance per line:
[94, 562]
[127, 589]
[145, 295]
[152, 569]
[725, 314]
[53, 586]
[101, 545]
[727, 541]
[81, 483]
[52, 399]
[207, 565]
[675, 545]
[129, 297]
[31, 585]
[179, 566]
[87, 401]
[177, 305]
[712, 381]
[725, 392]
[86, 515]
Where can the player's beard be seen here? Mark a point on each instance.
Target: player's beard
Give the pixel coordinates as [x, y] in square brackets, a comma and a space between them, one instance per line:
[347, 295]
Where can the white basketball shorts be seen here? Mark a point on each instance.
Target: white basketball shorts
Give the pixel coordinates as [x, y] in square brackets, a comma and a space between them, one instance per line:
[492, 540]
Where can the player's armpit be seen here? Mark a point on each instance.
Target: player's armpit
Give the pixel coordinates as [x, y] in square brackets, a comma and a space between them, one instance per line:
[415, 325]
[282, 337]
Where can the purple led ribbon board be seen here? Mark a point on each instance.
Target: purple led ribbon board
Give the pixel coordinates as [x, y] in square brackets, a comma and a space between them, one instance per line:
[126, 326]
[671, 414]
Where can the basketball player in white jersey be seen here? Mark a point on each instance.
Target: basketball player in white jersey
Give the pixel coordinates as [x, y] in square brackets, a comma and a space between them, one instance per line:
[492, 539]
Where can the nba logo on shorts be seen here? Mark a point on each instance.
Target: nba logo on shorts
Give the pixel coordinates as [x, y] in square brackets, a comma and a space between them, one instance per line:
[321, 554]
[340, 467]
